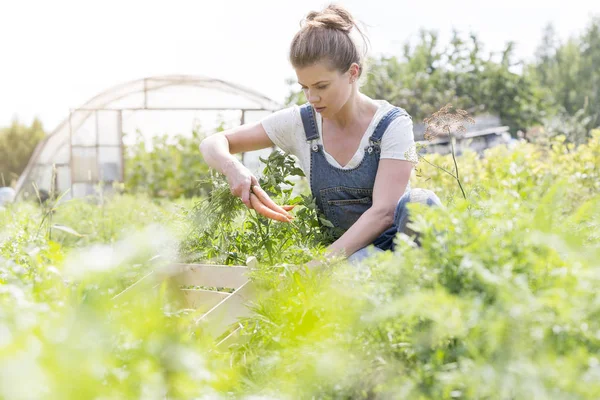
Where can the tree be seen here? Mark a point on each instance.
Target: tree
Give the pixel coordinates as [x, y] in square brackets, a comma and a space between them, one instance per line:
[569, 76]
[427, 77]
[17, 143]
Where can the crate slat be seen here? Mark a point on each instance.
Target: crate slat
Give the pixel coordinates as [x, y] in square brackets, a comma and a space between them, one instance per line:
[203, 299]
[209, 275]
[228, 311]
[222, 309]
[233, 337]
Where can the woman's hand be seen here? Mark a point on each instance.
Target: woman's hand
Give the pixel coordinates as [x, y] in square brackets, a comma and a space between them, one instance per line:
[245, 186]
[240, 181]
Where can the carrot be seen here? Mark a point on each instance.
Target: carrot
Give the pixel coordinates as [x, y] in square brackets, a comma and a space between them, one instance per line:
[265, 211]
[288, 208]
[266, 200]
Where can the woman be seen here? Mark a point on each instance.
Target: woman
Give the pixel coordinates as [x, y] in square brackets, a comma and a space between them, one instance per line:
[353, 149]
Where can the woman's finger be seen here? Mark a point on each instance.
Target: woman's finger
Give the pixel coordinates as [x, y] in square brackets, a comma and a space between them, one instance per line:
[266, 200]
[266, 211]
[245, 195]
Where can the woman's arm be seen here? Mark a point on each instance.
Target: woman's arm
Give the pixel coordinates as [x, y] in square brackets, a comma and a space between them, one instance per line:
[390, 183]
[218, 150]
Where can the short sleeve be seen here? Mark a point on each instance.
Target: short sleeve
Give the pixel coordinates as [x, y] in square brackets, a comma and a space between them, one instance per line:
[281, 127]
[398, 142]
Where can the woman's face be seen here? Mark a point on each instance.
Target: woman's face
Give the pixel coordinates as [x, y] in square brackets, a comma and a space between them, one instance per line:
[326, 89]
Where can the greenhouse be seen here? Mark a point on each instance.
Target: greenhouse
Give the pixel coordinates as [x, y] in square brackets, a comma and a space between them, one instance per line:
[88, 147]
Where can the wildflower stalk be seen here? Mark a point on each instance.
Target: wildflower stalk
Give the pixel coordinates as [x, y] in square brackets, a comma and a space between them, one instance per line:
[444, 120]
[437, 166]
[457, 177]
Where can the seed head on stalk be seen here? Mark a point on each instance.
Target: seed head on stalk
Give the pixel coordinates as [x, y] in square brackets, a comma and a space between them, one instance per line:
[446, 120]
[452, 123]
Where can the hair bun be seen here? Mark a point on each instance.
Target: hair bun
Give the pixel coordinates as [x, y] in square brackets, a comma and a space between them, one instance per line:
[312, 15]
[329, 36]
[332, 17]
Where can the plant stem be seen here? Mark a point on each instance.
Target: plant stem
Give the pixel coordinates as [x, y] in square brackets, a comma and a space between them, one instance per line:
[456, 164]
[264, 239]
[268, 243]
[437, 166]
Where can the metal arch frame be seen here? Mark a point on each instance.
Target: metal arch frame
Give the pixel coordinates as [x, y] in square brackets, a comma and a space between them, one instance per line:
[169, 80]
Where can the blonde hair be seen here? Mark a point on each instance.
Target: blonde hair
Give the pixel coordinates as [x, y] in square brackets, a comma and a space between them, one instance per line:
[326, 36]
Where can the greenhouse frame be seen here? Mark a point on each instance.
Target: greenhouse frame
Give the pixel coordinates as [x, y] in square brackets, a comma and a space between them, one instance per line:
[88, 147]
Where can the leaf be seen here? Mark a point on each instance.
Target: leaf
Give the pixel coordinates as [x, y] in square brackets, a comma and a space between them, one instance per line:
[67, 229]
[326, 222]
[297, 172]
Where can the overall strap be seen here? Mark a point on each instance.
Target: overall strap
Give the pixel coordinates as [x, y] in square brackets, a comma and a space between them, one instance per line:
[308, 120]
[385, 122]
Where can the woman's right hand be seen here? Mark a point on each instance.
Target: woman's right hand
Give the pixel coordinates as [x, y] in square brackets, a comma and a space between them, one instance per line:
[240, 181]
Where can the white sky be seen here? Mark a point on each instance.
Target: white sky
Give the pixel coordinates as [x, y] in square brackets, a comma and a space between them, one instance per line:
[56, 55]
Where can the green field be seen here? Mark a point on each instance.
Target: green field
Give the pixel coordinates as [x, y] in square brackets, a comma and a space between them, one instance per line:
[500, 301]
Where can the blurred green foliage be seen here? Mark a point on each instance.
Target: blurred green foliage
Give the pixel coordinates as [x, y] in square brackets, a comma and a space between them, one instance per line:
[500, 301]
[169, 166]
[17, 143]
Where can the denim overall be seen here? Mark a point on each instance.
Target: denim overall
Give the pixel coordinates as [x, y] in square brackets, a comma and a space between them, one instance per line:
[343, 195]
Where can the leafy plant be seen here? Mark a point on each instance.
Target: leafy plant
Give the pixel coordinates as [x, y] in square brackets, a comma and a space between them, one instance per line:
[499, 300]
[225, 231]
[167, 167]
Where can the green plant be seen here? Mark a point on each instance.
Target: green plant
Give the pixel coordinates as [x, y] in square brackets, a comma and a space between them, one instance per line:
[17, 143]
[450, 123]
[167, 167]
[500, 299]
[227, 232]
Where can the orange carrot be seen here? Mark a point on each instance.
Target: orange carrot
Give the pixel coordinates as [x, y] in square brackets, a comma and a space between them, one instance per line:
[265, 211]
[266, 200]
[288, 208]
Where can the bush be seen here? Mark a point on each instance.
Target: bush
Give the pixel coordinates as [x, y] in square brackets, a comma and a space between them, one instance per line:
[167, 167]
[17, 143]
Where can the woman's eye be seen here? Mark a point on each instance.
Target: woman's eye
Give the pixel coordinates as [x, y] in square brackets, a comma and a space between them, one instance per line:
[318, 87]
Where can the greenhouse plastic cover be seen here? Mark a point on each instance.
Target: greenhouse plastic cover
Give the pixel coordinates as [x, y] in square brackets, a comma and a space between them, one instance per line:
[87, 146]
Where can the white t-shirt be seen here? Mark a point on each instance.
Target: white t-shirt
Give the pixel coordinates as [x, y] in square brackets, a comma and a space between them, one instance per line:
[286, 131]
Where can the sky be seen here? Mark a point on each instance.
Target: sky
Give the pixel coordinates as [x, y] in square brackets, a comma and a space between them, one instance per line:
[56, 55]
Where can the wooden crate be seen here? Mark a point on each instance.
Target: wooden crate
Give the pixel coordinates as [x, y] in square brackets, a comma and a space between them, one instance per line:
[219, 310]
[222, 309]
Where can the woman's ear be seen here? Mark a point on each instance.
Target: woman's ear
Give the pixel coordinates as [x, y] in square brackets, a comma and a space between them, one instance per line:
[354, 72]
